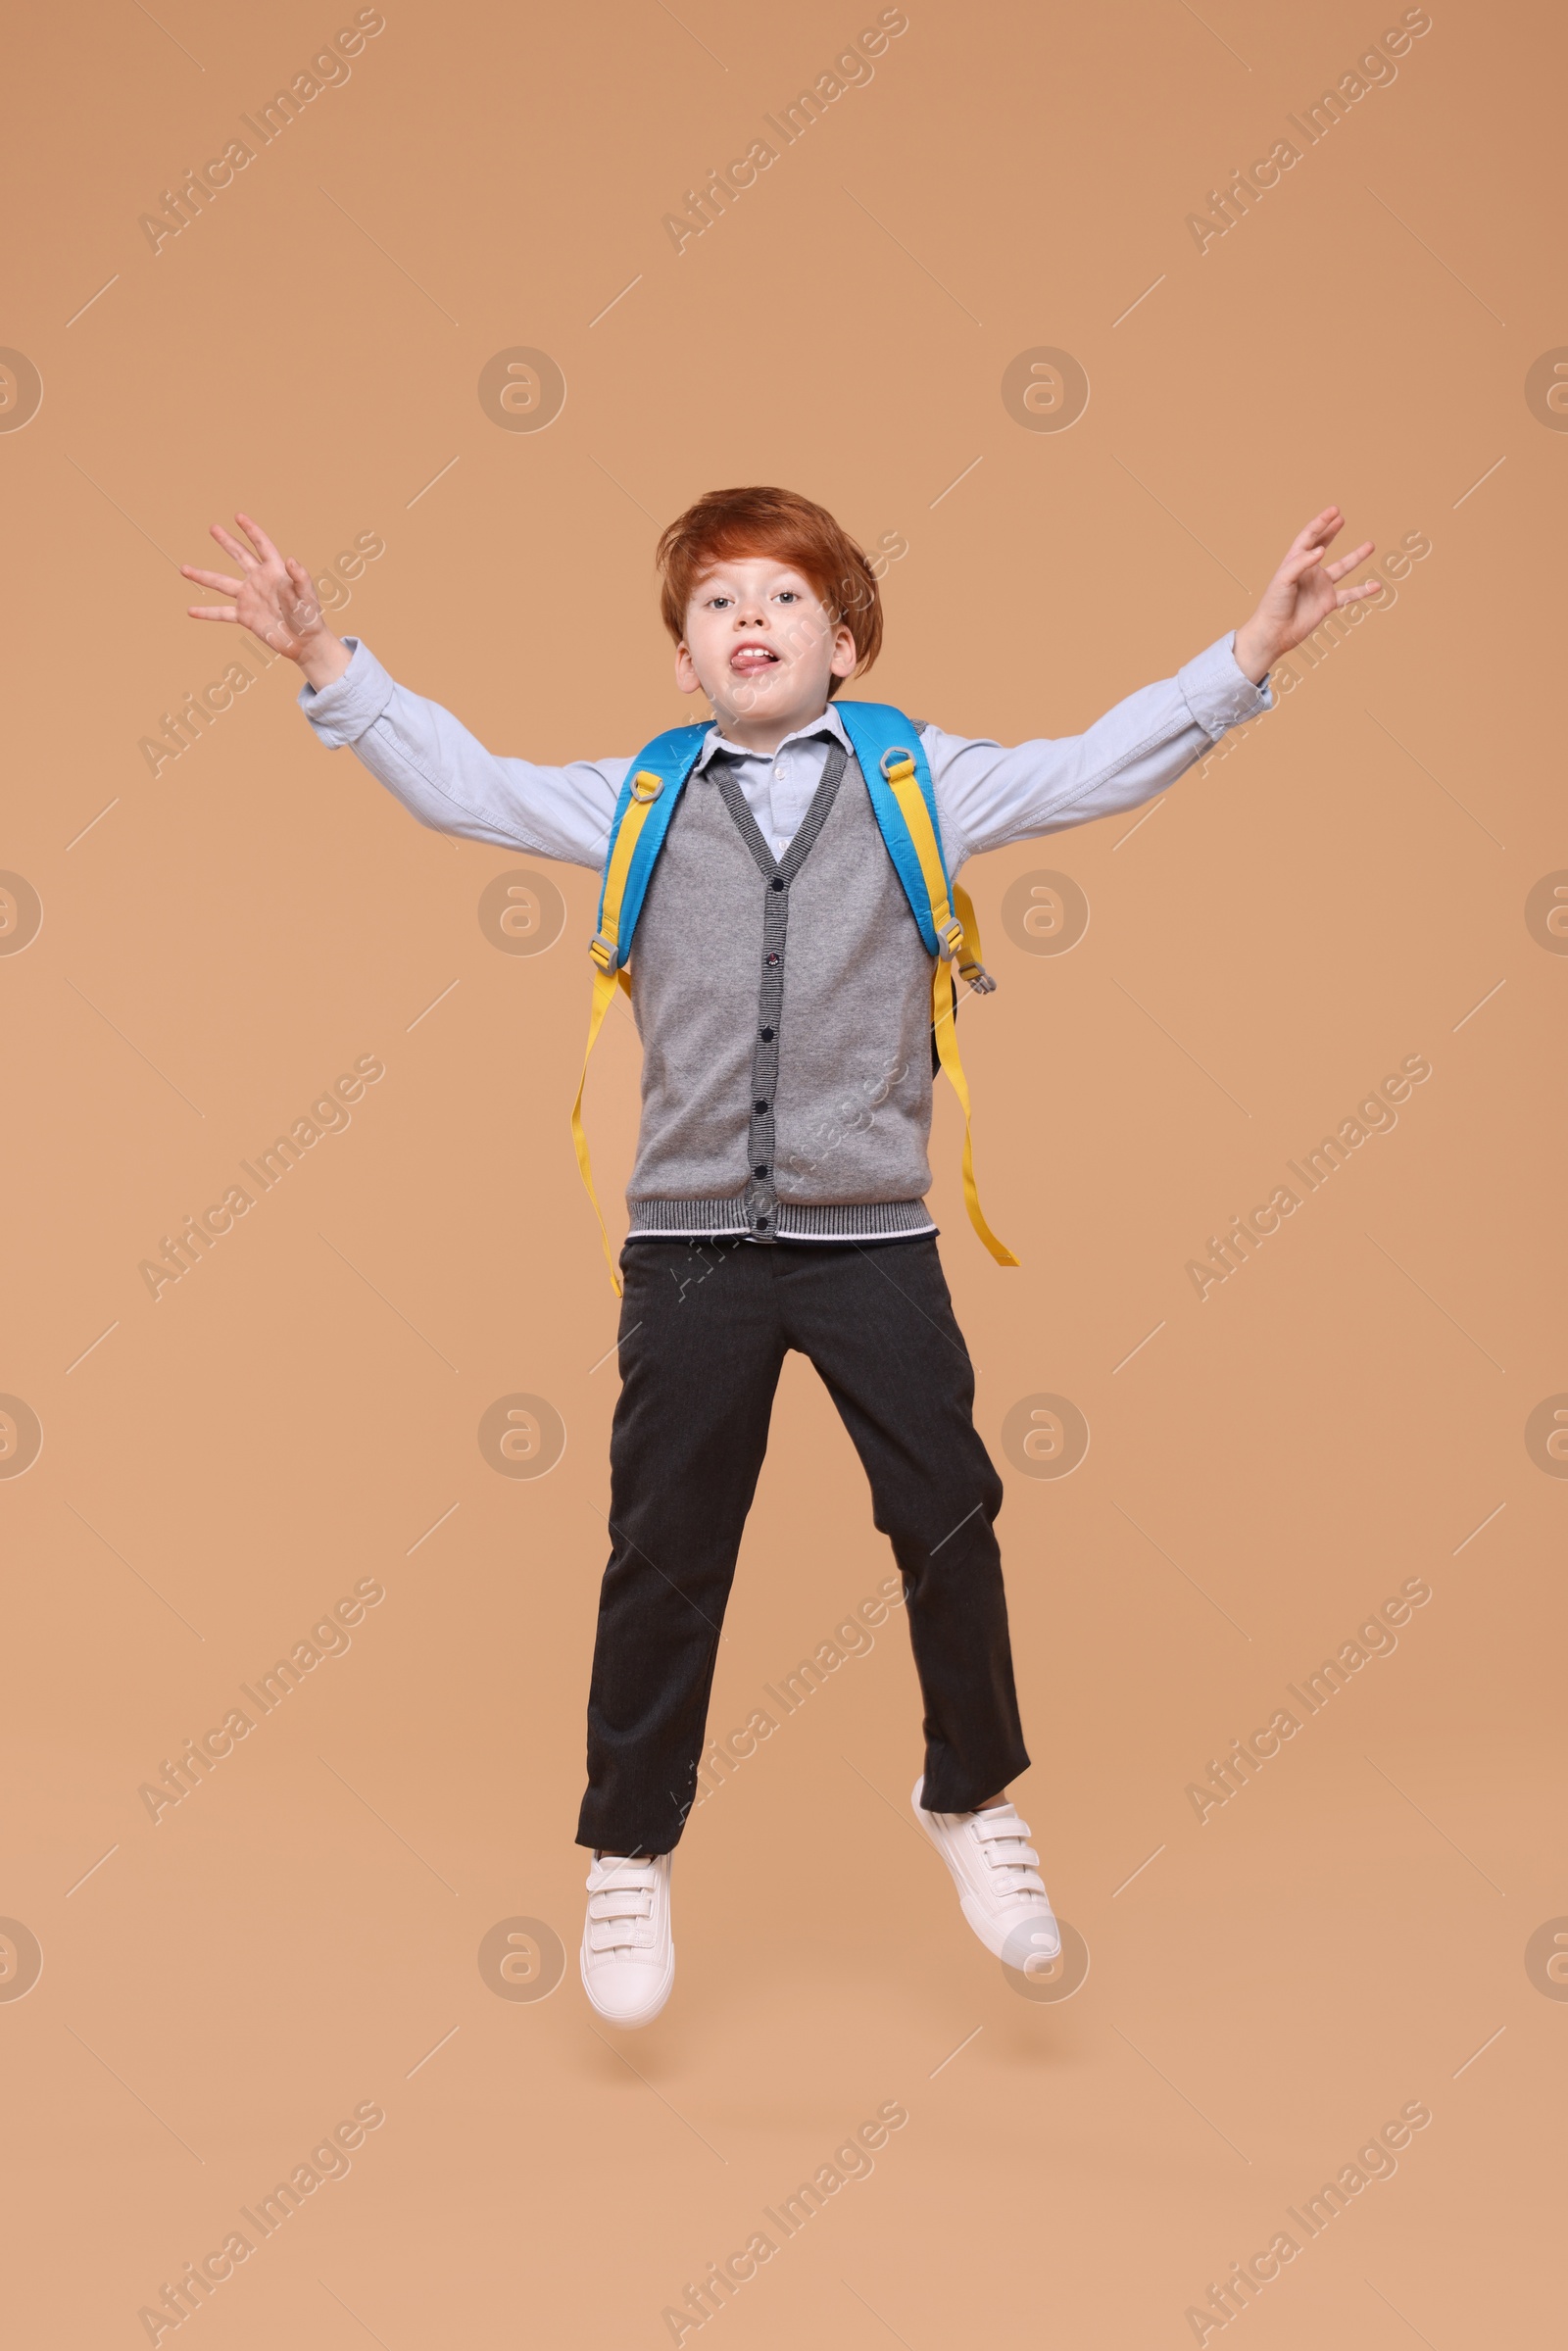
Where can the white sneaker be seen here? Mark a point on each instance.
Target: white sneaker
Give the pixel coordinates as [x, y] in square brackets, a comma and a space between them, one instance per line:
[628, 1956]
[994, 1868]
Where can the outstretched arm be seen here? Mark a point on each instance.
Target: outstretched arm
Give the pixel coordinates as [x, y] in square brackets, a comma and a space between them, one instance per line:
[440, 772]
[989, 794]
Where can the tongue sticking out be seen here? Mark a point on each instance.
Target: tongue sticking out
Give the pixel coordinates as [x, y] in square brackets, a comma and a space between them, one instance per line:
[752, 656]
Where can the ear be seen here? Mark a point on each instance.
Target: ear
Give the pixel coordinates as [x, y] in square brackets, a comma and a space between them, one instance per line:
[844, 656]
[686, 677]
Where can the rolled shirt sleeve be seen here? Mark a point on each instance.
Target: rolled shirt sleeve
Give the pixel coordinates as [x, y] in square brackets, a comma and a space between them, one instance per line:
[445, 777]
[988, 796]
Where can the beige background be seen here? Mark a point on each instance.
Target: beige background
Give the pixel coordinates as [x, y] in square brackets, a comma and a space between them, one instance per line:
[298, 1412]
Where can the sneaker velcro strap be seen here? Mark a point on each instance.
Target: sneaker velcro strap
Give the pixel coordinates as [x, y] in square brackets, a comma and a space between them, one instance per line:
[1001, 1824]
[1016, 1868]
[613, 1935]
[621, 1902]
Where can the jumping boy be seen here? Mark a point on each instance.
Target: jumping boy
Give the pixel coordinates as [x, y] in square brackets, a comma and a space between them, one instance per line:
[787, 871]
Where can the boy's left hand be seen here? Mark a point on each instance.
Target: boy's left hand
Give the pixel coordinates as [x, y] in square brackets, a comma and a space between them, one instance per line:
[1300, 596]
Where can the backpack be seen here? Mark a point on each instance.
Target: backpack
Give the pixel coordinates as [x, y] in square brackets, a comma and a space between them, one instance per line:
[888, 751]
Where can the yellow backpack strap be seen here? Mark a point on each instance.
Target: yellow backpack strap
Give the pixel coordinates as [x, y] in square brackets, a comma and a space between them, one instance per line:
[605, 949]
[971, 967]
[959, 936]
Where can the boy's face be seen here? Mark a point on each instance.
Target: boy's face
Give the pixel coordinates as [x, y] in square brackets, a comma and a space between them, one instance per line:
[761, 646]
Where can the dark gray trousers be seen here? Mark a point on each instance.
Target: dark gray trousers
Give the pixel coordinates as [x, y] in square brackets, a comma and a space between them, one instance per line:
[705, 1329]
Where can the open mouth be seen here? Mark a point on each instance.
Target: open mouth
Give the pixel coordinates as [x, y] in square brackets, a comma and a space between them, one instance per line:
[749, 660]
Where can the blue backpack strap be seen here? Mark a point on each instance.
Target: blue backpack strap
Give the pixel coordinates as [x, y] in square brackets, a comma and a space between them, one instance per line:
[637, 830]
[876, 729]
[671, 757]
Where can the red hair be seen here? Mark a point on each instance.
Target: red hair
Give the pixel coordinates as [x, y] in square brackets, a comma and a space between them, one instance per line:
[726, 525]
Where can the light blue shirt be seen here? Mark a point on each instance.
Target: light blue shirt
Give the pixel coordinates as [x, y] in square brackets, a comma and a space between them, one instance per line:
[987, 795]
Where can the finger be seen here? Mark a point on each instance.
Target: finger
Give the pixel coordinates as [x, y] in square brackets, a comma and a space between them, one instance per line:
[1371, 587]
[1347, 563]
[1325, 528]
[264, 545]
[214, 580]
[212, 612]
[1307, 546]
[308, 603]
[245, 557]
[1299, 563]
[1319, 530]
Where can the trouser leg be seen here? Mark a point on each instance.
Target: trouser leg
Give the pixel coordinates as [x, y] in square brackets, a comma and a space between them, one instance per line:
[700, 1348]
[878, 1324]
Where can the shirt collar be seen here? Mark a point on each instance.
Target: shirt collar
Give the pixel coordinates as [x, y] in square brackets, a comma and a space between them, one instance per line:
[717, 744]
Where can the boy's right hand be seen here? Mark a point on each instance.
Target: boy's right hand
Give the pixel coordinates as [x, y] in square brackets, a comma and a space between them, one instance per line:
[274, 600]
